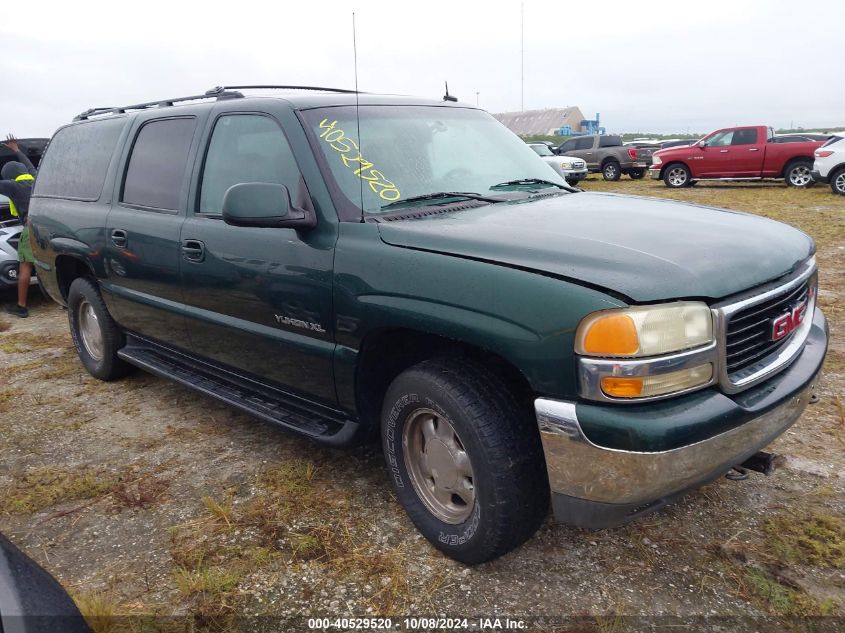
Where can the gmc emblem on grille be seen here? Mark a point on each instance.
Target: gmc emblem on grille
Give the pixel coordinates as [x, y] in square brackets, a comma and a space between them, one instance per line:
[786, 323]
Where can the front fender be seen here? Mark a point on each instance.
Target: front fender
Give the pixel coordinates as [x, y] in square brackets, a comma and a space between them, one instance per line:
[527, 318]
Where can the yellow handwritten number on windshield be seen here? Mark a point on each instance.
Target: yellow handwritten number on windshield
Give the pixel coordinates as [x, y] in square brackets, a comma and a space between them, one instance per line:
[350, 154]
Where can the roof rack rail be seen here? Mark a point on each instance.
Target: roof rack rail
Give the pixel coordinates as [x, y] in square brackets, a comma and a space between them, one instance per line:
[215, 93]
[273, 87]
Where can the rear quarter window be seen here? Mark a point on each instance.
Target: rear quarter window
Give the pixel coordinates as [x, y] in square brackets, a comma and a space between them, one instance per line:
[610, 141]
[77, 159]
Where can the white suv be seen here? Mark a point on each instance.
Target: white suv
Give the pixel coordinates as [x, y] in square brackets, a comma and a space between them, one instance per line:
[830, 163]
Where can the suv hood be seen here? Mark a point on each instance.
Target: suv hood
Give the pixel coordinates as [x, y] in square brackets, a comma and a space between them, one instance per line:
[647, 249]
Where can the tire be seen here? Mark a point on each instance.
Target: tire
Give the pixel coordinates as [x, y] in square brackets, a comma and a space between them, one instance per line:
[837, 181]
[95, 334]
[611, 171]
[636, 174]
[486, 444]
[797, 173]
[677, 175]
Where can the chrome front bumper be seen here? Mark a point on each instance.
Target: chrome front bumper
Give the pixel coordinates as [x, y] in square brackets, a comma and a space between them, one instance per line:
[578, 468]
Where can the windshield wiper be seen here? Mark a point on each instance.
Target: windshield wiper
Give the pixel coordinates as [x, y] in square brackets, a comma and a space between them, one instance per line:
[530, 181]
[443, 194]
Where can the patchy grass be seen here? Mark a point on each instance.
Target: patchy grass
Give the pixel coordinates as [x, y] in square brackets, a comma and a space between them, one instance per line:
[783, 600]
[22, 342]
[817, 539]
[47, 486]
[814, 210]
[100, 610]
[140, 493]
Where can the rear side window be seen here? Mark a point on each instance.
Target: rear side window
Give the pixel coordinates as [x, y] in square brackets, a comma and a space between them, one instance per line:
[584, 143]
[75, 165]
[246, 148]
[832, 140]
[744, 137]
[610, 141]
[156, 171]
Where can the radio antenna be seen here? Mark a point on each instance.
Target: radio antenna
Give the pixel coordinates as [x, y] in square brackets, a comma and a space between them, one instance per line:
[357, 106]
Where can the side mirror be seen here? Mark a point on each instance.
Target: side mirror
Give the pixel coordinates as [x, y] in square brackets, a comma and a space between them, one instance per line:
[702, 144]
[262, 204]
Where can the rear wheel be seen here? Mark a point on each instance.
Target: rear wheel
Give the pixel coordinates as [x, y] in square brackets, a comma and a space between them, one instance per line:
[465, 459]
[611, 171]
[636, 174]
[837, 181]
[94, 332]
[676, 176]
[797, 173]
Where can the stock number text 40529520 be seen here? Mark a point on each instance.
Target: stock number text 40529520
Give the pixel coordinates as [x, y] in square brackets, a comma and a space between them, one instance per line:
[350, 154]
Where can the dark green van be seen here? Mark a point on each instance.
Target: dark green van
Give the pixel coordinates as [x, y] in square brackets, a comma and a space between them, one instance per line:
[353, 266]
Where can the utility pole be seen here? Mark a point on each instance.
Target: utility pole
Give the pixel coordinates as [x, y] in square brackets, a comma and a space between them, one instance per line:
[476, 98]
[522, 56]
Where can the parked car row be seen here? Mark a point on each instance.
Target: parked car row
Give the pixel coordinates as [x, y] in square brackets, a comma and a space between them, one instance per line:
[737, 153]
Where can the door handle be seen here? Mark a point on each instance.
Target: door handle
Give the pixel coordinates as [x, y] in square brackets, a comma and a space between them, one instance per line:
[723, 151]
[118, 238]
[193, 250]
[753, 149]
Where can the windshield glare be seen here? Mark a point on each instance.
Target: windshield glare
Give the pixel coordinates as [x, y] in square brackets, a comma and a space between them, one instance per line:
[409, 151]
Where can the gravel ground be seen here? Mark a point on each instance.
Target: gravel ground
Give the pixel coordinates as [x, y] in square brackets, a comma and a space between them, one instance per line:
[148, 500]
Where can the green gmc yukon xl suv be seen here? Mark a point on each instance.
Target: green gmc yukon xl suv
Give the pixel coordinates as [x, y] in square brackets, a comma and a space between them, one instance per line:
[359, 266]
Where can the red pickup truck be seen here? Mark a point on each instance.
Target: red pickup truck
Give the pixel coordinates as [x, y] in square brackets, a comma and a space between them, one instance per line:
[737, 153]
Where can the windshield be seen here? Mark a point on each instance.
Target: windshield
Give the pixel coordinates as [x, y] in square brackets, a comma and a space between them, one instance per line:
[542, 150]
[409, 151]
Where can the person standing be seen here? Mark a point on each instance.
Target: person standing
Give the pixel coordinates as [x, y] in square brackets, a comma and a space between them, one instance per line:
[17, 179]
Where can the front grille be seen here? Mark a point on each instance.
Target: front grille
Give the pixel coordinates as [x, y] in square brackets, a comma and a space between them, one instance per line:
[749, 331]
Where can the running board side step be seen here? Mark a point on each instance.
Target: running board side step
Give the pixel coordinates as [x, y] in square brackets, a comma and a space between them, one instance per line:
[265, 403]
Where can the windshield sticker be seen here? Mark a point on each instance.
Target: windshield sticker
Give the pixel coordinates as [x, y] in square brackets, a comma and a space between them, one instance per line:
[350, 154]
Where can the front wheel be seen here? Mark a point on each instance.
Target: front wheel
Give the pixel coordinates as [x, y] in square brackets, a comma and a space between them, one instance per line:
[676, 176]
[837, 182]
[94, 332]
[798, 174]
[636, 174]
[465, 459]
[611, 171]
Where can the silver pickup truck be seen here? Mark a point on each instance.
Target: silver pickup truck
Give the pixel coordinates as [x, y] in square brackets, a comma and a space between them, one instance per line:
[606, 154]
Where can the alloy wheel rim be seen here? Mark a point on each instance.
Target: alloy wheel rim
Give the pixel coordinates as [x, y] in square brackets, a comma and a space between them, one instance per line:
[610, 171]
[89, 331]
[840, 182]
[439, 466]
[800, 176]
[677, 176]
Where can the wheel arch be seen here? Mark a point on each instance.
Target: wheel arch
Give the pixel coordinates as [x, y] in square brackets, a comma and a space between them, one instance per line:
[792, 161]
[387, 352]
[69, 268]
[673, 163]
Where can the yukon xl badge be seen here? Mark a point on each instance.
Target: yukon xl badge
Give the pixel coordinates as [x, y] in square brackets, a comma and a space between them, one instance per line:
[305, 325]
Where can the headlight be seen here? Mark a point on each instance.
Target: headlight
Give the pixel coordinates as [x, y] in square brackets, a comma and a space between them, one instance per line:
[656, 160]
[566, 165]
[646, 330]
[646, 351]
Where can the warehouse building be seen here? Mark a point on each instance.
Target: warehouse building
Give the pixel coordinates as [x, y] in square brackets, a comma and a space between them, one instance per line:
[542, 122]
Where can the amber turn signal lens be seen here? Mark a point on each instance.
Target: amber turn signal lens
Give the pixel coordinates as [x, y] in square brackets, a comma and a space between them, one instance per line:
[612, 335]
[622, 387]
